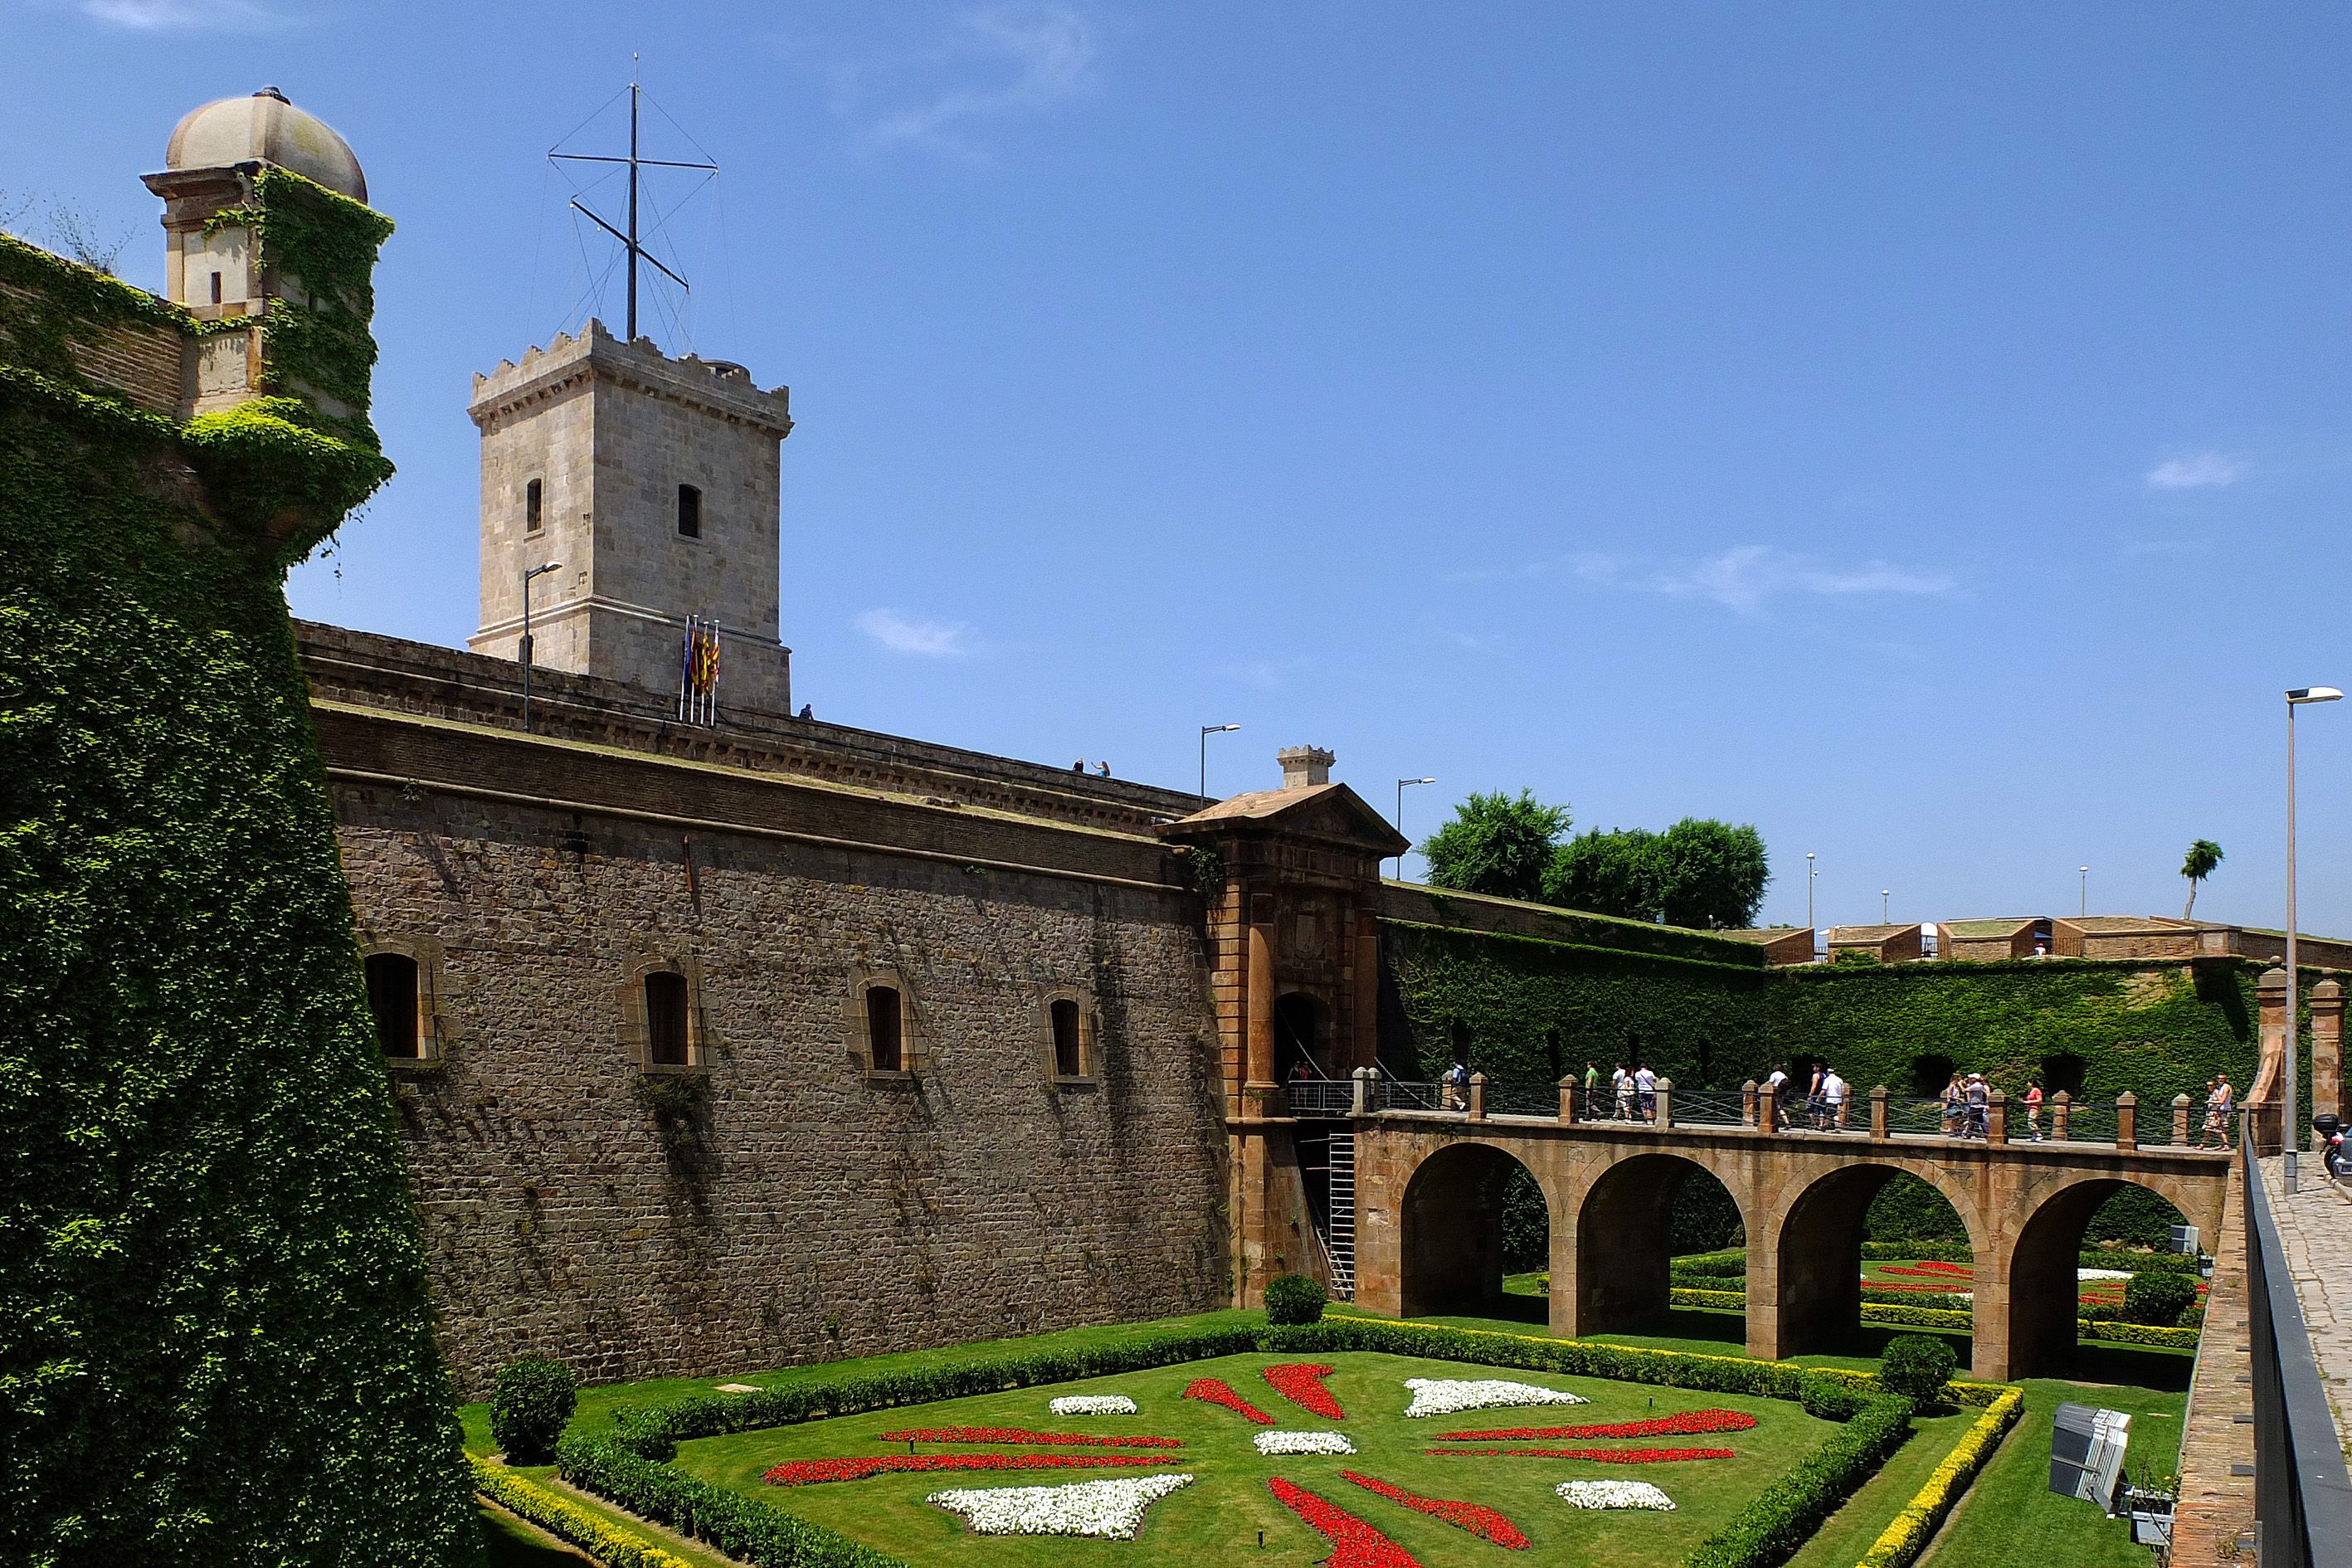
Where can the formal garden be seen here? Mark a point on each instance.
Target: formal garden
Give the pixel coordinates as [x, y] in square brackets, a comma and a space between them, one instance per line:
[1340, 1438]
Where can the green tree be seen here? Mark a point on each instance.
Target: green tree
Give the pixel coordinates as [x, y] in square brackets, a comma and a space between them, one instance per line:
[1711, 874]
[1698, 873]
[1612, 873]
[2203, 857]
[1497, 845]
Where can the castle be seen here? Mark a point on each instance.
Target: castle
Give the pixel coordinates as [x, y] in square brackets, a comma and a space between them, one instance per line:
[720, 1037]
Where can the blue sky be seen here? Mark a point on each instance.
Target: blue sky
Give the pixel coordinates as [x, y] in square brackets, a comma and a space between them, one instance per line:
[1923, 432]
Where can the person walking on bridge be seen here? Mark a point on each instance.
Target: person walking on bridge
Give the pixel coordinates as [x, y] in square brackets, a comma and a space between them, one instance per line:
[1776, 1115]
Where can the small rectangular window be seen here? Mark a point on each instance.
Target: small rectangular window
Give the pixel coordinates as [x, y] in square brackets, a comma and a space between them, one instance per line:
[392, 998]
[666, 1019]
[217, 294]
[1069, 1053]
[689, 512]
[883, 1036]
[532, 517]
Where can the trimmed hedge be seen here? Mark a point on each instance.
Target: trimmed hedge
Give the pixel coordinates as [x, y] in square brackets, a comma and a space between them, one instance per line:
[745, 1528]
[2139, 1334]
[2158, 1298]
[532, 1403]
[567, 1521]
[1916, 1366]
[1784, 1516]
[1292, 1299]
[1904, 1539]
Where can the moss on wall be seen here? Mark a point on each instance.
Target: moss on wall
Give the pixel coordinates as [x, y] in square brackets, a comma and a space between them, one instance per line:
[216, 1344]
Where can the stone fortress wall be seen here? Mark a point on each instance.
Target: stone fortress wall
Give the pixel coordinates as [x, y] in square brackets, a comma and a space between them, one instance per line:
[776, 1199]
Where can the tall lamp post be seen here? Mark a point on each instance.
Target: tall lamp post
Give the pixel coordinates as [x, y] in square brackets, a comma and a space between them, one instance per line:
[1402, 785]
[527, 576]
[1884, 917]
[2290, 1129]
[2083, 892]
[1812, 874]
[1207, 731]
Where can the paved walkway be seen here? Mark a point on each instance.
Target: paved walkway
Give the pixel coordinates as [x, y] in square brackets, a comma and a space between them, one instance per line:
[2315, 1227]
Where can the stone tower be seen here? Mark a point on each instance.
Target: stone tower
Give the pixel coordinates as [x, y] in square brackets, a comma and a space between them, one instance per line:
[653, 481]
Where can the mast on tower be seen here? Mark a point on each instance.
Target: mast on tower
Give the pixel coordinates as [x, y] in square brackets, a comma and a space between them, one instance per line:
[629, 235]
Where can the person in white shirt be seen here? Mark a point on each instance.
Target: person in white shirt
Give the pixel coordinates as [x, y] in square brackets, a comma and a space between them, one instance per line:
[1621, 1083]
[1645, 1086]
[1775, 1117]
[1834, 1090]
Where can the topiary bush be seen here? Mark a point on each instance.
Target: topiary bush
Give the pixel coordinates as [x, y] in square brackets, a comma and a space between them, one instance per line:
[1292, 1300]
[2158, 1298]
[1916, 1367]
[530, 1405]
[1829, 1399]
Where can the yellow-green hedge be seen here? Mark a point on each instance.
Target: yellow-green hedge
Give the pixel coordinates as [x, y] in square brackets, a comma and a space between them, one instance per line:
[2138, 1335]
[562, 1517]
[1893, 1314]
[1911, 1529]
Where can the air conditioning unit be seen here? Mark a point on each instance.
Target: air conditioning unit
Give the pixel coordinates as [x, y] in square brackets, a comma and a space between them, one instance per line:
[2086, 1454]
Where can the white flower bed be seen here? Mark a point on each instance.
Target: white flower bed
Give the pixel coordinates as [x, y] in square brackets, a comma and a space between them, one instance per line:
[1304, 1443]
[1614, 1494]
[1450, 1396]
[1093, 1405]
[2101, 1274]
[1108, 1510]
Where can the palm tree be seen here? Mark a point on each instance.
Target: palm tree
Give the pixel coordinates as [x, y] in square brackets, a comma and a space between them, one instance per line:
[2203, 856]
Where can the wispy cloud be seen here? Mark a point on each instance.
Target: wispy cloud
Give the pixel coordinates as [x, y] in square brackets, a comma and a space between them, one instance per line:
[1036, 56]
[1749, 576]
[2196, 471]
[921, 639]
[178, 15]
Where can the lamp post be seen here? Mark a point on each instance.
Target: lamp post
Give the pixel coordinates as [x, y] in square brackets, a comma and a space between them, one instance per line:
[1401, 784]
[2083, 893]
[534, 572]
[1812, 874]
[1207, 731]
[2290, 1129]
[1884, 917]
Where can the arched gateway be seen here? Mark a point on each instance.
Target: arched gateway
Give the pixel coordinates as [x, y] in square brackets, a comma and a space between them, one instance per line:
[1427, 1227]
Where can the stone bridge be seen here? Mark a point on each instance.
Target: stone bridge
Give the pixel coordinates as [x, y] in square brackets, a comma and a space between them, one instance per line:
[1428, 1237]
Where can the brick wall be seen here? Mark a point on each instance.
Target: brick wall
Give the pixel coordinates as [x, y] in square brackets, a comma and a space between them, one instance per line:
[142, 363]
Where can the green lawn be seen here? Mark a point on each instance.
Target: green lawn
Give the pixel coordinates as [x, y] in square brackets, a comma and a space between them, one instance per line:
[2011, 1501]
[1220, 1518]
[1846, 1535]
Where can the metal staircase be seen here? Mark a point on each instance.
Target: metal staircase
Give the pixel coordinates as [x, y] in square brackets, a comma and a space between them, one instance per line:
[1339, 1228]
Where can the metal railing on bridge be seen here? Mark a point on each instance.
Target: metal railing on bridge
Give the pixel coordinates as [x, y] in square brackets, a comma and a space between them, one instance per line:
[2122, 1122]
[2302, 1498]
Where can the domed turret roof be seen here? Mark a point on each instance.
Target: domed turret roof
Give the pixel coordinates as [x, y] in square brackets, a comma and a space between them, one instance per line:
[266, 127]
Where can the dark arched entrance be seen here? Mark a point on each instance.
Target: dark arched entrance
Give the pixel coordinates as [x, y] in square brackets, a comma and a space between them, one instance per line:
[1451, 1231]
[1624, 1243]
[1818, 1260]
[1300, 1036]
[2044, 1290]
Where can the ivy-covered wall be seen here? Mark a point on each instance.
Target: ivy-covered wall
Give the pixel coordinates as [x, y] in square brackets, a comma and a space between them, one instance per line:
[1526, 1010]
[216, 1344]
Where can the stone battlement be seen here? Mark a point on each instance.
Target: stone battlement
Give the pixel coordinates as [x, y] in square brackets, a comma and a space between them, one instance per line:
[720, 388]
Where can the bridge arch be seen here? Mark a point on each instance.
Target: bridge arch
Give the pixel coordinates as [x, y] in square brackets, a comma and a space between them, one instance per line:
[1623, 1245]
[1814, 1253]
[2043, 1290]
[1450, 1230]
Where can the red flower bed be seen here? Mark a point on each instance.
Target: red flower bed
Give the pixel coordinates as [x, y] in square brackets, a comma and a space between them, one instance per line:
[1690, 1422]
[1354, 1543]
[1932, 1270]
[1302, 1384]
[1938, 1288]
[1481, 1521]
[1021, 1435]
[1600, 1455]
[813, 1473]
[1217, 1391]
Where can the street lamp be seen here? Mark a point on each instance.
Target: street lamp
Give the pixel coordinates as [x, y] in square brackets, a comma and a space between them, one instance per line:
[1207, 731]
[1401, 784]
[1883, 918]
[1812, 874]
[2290, 1129]
[527, 576]
[2082, 894]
